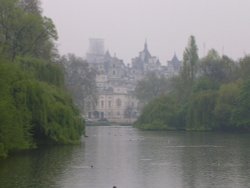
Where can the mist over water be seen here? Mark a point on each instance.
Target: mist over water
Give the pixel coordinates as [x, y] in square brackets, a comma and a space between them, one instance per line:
[126, 157]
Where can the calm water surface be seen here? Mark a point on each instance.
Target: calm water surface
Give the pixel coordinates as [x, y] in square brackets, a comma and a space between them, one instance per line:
[129, 158]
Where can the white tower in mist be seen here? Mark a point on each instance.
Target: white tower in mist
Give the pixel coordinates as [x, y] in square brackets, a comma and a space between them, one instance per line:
[96, 46]
[96, 51]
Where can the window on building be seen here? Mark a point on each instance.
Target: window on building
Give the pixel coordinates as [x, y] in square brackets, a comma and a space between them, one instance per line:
[110, 104]
[118, 102]
[102, 104]
[113, 72]
[102, 115]
[96, 114]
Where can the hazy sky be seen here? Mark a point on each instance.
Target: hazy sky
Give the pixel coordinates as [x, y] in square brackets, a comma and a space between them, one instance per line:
[167, 24]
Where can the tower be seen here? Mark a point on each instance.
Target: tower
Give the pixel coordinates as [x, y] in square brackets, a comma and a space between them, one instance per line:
[96, 46]
[95, 52]
[145, 45]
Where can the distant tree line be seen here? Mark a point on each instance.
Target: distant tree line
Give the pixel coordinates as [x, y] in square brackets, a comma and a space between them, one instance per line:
[80, 81]
[210, 93]
[35, 107]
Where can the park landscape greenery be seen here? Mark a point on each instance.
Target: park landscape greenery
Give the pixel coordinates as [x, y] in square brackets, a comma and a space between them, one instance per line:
[35, 107]
[210, 94]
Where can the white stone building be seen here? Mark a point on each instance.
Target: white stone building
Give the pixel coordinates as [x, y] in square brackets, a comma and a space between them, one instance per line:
[116, 82]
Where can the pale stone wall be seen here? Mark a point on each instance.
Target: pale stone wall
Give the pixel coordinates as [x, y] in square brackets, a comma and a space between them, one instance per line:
[115, 82]
[117, 107]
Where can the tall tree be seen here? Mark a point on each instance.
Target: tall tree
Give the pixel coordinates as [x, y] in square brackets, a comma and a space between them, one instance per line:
[34, 106]
[31, 6]
[25, 33]
[190, 60]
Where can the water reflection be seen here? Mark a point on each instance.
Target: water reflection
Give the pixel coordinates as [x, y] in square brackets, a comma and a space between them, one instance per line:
[36, 169]
[217, 162]
[126, 157]
[112, 152]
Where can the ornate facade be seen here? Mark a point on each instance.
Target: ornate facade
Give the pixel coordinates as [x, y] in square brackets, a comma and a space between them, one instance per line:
[116, 82]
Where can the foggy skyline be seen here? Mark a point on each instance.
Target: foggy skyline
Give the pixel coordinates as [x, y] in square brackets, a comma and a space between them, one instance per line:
[166, 24]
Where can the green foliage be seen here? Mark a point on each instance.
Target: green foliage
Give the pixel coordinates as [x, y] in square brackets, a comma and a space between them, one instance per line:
[14, 121]
[162, 113]
[42, 70]
[204, 84]
[182, 84]
[33, 111]
[212, 95]
[226, 105]
[151, 87]
[31, 6]
[34, 106]
[25, 33]
[217, 69]
[244, 68]
[190, 60]
[200, 114]
[52, 112]
[241, 113]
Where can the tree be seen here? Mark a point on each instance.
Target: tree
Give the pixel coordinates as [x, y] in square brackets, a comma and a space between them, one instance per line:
[190, 60]
[244, 68]
[34, 105]
[80, 81]
[14, 121]
[31, 6]
[226, 105]
[150, 87]
[200, 114]
[24, 33]
[162, 113]
[212, 96]
[241, 113]
[217, 69]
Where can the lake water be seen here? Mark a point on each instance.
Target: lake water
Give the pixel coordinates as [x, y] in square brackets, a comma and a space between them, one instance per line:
[129, 158]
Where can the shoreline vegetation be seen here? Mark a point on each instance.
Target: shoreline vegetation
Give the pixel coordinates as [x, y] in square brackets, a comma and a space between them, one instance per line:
[209, 94]
[35, 107]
